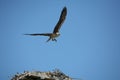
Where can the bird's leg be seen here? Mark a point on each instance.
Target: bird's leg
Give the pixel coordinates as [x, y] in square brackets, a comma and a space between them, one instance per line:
[52, 39]
[48, 39]
[55, 40]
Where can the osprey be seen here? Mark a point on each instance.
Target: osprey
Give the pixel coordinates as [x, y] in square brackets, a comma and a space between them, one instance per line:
[55, 32]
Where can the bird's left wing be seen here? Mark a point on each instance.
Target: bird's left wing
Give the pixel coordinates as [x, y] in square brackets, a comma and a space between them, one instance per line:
[38, 34]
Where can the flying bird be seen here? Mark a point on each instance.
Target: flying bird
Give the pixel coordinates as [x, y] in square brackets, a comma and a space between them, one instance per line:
[52, 36]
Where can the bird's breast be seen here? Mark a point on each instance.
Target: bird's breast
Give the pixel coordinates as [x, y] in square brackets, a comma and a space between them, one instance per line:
[55, 35]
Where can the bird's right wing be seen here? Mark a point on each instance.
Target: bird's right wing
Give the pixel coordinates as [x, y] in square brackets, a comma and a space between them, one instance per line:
[61, 20]
[38, 34]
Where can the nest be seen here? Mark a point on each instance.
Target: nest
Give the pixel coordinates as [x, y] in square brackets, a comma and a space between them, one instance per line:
[37, 75]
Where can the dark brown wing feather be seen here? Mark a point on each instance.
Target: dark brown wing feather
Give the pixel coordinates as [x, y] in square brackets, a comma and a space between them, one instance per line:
[61, 20]
[37, 34]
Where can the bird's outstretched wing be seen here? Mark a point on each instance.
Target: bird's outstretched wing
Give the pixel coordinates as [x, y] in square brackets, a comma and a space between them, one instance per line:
[61, 20]
[38, 34]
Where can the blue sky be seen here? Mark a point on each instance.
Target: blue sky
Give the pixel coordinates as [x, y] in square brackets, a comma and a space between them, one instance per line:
[88, 47]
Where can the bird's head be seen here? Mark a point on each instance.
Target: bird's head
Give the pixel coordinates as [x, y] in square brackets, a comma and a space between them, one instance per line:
[58, 33]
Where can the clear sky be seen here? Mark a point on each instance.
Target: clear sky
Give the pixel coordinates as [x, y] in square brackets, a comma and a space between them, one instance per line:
[88, 47]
